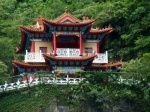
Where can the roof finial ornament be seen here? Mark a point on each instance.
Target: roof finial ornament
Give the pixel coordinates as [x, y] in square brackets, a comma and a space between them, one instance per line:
[109, 26]
[83, 18]
[66, 10]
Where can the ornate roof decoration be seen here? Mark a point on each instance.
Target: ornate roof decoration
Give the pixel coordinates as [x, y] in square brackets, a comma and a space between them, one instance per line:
[69, 61]
[81, 58]
[20, 67]
[66, 16]
[110, 65]
[39, 24]
[34, 28]
[23, 64]
[97, 30]
[69, 23]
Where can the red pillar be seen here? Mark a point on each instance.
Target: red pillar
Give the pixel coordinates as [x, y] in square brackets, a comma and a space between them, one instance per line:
[32, 46]
[80, 38]
[98, 47]
[54, 42]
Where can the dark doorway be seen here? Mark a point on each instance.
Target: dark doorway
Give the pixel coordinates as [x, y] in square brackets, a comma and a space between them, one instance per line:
[67, 41]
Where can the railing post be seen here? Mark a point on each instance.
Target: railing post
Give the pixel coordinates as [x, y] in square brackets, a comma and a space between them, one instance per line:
[80, 43]
[26, 56]
[67, 78]
[40, 55]
[68, 52]
[5, 86]
[106, 57]
[55, 43]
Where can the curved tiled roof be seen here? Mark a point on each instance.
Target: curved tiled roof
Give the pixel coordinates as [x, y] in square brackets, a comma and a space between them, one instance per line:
[31, 29]
[97, 31]
[24, 67]
[21, 44]
[82, 58]
[52, 60]
[105, 66]
[69, 24]
[23, 64]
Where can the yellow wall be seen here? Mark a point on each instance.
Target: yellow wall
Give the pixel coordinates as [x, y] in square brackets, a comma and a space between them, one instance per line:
[92, 45]
[43, 44]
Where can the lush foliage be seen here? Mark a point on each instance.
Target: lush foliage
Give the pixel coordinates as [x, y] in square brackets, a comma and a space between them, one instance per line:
[3, 72]
[103, 93]
[139, 66]
[30, 100]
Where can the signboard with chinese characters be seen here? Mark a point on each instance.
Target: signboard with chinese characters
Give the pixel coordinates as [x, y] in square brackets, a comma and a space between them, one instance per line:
[68, 33]
[68, 69]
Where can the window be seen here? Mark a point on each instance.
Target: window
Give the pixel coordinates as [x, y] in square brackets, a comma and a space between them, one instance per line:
[88, 50]
[43, 49]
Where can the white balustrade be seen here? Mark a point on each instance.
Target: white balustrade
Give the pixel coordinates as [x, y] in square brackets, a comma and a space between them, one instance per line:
[44, 80]
[34, 57]
[64, 52]
[101, 58]
[58, 81]
[37, 56]
[67, 52]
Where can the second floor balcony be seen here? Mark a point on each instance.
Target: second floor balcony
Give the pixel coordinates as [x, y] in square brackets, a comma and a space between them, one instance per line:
[64, 52]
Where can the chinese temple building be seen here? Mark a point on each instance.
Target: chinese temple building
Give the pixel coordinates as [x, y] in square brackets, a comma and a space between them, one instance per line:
[65, 44]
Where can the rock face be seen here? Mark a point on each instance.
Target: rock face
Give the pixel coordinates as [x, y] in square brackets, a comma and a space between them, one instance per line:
[55, 108]
[62, 109]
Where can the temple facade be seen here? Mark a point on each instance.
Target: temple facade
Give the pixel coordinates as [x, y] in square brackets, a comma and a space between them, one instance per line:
[65, 45]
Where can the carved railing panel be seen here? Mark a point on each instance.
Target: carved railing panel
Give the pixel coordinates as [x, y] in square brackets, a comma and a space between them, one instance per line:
[101, 58]
[34, 57]
[67, 52]
[64, 52]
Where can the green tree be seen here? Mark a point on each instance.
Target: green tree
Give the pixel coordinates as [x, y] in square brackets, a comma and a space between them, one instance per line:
[7, 51]
[139, 66]
[3, 73]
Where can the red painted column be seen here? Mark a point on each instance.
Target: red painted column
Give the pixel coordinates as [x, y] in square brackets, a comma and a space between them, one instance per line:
[54, 42]
[98, 47]
[80, 39]
[32, 46]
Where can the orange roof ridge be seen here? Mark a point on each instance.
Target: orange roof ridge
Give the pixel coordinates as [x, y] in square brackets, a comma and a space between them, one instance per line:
[69, 58]
[68, 24]
[65, 15]
[30, 29]
[111, 64]
[101, 30]
[39, 18]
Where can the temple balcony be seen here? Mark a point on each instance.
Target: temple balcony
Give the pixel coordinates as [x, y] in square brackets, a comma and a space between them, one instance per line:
[64, 52]
[67, 52]
[101, 58]
[34, 57]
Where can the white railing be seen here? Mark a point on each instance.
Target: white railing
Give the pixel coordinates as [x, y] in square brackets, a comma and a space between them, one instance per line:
[64, 52]
[67, 52]
[45, 80]
[37, 56]
[34, 57]
[101, 58]
[58, 81]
